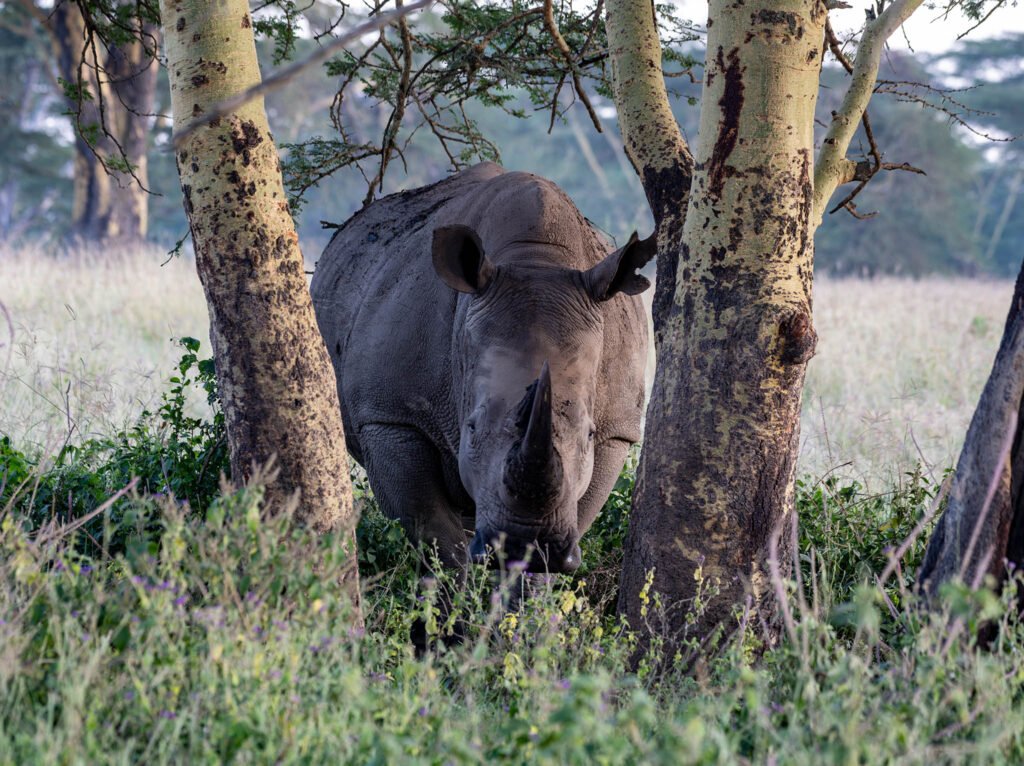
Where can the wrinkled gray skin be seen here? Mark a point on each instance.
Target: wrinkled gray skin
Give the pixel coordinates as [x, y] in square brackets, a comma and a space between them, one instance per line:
[490, 358]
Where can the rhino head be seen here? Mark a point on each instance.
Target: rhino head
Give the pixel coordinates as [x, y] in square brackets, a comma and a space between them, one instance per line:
[526, 364]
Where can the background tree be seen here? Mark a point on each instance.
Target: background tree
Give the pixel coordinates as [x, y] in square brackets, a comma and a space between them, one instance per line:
[102, 58]
[275, 380]
[32, 158]
[999, 232]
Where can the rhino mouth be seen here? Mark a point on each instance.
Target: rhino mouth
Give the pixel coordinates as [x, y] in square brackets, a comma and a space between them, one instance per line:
[548, 555]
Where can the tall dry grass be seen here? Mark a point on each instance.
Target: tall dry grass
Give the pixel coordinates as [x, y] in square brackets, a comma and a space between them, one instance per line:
[899, 367]
[91, 338]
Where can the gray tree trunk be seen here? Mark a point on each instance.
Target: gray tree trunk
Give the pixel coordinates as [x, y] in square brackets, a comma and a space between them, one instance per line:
[982, 527]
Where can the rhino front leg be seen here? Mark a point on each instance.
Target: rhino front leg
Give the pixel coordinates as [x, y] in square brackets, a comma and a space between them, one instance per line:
[609, 457]
[408, 481]
[407, 477]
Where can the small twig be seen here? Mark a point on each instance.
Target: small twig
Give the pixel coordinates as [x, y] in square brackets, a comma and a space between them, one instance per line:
[982, 20]
[283, 76]
[563, 46]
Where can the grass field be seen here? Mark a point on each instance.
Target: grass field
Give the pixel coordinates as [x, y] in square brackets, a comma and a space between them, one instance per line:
[213, 631]
[899, 366]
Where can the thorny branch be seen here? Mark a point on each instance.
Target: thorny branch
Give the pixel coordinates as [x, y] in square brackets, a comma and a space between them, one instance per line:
[832, 167]
[426, 78]
[863, 172]
[563, 46]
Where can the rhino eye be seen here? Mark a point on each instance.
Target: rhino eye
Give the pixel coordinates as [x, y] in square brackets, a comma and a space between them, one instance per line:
[590, 434]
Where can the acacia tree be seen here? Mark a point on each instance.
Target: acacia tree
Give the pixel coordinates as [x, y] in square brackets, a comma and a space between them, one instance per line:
[102, 56]
[733, 300]
[275, 379]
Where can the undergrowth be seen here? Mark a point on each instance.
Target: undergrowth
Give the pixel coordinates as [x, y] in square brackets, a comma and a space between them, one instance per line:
[188, 622]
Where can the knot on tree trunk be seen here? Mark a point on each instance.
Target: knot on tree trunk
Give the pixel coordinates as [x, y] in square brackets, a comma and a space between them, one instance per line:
[797, 338]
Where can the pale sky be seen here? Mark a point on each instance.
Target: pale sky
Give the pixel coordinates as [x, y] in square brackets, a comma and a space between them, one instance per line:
[927, 29]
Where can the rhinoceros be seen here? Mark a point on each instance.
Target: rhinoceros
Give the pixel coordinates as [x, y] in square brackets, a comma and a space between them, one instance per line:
[490, 349]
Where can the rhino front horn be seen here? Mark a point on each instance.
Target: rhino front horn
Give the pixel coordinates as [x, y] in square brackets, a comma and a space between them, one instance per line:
[533, 470]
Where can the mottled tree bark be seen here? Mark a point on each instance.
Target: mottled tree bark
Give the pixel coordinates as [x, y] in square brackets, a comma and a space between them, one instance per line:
[982, 526]
[653, 141]
[732, 309]
[276, 382]
[716, 473]
[112, 125]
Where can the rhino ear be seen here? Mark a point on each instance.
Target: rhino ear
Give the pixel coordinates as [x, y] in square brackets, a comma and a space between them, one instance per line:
[617, 272]
[459, 259]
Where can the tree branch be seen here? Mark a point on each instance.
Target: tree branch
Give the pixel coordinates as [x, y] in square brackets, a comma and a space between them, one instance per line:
[653, 141]
[830, 168]
[563, 46]
[283, 76]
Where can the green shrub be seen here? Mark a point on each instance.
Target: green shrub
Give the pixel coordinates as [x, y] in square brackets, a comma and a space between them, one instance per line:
[223, 638]
[167, 453]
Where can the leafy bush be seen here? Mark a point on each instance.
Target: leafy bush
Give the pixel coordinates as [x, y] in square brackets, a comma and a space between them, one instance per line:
[223, 637]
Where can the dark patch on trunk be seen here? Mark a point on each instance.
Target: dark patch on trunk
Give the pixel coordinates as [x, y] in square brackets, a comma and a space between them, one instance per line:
[181, 23]
[807, 202]
[200, 80]
[667, 191]
[246, 23]
[780, 18]
[731, 104]
[246, 138]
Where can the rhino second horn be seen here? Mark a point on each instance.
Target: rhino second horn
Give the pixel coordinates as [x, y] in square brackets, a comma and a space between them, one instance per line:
[533, 470]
